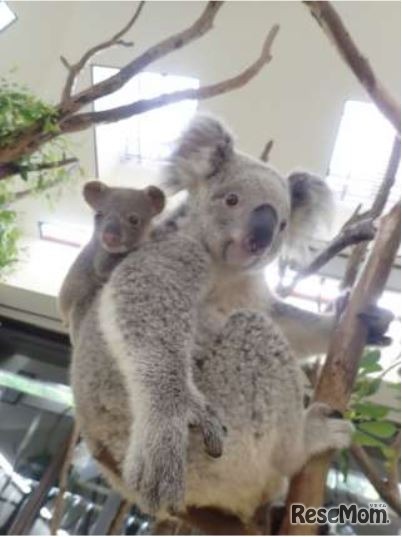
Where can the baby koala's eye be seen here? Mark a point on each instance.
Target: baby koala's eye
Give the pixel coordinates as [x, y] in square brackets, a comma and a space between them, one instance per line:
[98, 215]
[231, 200]
[133, 219]
[283, 225]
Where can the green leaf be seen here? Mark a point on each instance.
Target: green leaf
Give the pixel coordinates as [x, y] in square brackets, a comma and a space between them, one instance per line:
[369, 359]
[373, 387]
[24, 174]
[366, 440]
[382, 429]
[371, 410]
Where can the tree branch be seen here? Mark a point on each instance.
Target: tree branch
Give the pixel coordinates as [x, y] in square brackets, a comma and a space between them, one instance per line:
[385, 488]
[266, 151]
[175, 42]
[13, 168]
[338, 374]
[332, 24]
[352, 234]
[75, 69]
[359, 252]
[83, 121]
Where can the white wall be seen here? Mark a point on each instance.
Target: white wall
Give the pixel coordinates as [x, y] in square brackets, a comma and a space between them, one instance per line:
[297, 100]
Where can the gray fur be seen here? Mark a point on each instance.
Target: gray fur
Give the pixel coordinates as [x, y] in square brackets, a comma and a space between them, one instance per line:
[199, 292]
[115, 209]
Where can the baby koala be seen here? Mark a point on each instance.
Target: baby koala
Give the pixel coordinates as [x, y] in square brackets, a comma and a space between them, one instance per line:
[123, 218]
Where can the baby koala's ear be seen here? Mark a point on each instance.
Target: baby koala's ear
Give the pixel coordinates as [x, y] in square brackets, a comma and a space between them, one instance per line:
[94, 193]
[157, 197]
[200, 153]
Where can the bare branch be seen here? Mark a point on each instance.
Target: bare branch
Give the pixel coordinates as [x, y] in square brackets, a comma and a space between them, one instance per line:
[83, 121]
[332, 24]
[13, 168]
[353, 234]
[175, 42]
[266, 151]
[76, 68]
[387, 490]
[338, 374]
[359, 253]
[23, 194]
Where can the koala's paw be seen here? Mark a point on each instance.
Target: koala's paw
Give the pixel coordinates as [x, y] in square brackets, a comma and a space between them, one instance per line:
[203, 416]
[155, 470]
[326, 429]
[377, 321]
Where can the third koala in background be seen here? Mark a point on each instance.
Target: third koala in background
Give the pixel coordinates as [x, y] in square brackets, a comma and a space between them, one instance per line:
[123, 220]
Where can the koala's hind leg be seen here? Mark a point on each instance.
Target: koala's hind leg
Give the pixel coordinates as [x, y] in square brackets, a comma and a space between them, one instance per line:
[325, 429]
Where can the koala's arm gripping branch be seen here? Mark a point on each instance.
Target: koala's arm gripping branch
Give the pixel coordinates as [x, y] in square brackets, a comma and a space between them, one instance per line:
[308, 333]
[338, 375]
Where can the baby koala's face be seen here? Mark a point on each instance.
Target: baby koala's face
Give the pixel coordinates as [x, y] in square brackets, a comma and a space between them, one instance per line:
[122, 215]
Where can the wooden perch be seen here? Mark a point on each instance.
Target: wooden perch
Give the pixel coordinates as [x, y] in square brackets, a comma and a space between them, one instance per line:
[338, 374]
[332, 24]
[74, 70]
[83, 121]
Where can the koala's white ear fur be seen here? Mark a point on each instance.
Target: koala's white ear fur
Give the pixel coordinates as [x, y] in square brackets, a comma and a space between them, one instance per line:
[312, 209]
[94, 193]
[200, 153]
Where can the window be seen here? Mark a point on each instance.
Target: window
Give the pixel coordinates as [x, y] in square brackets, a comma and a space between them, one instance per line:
[147, 138]
[7, 16]
[362, 150]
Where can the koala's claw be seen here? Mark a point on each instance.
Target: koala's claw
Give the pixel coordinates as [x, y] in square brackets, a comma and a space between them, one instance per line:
[326, 429]
[155, 471]
[212, 430]
[377, 321]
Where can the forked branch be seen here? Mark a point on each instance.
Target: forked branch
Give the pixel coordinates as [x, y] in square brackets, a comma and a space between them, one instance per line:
[75, 69]
[175, 42]
[83, 121]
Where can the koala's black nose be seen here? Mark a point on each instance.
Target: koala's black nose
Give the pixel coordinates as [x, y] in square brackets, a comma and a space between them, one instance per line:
[262, 226]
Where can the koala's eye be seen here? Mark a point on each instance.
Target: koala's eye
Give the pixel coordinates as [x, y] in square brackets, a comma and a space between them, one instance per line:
[133, 219]
[98, 215]
[231, 200]
[283, 225]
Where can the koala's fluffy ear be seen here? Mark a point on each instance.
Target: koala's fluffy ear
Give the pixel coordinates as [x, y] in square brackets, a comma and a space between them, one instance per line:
[157, 198]
[94, 193]
[312, 209]
[200, 153]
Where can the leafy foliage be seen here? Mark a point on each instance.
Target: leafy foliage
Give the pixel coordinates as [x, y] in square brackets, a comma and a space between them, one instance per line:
[19, 109]
[9, 235]
[373, 429]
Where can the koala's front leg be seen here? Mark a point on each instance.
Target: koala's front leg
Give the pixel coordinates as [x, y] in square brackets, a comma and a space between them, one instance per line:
[310, 333]
[147, 315]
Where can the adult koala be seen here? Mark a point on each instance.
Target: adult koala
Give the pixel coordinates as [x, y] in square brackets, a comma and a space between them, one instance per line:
[239, 212]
